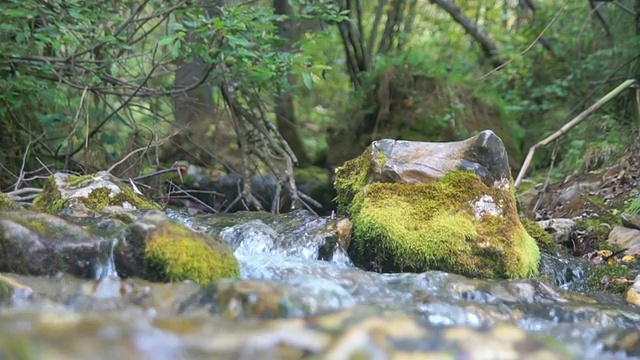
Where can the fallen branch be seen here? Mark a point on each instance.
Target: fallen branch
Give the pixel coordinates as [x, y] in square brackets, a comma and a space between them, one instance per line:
[568, 126]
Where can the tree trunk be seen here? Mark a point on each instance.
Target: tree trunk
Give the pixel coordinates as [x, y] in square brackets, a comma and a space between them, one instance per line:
[206, 137]
[489, 48]
[284, 107]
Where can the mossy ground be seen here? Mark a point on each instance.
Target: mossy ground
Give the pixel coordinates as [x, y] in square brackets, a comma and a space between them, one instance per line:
[50, 199]
[174, 253]
[406, 227]
[604, 278]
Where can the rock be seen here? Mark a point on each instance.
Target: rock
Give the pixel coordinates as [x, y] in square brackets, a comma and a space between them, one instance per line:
[622, 341]
[436, 215]
[10, 288]
[633, 293]
[245, 298]
[93, 191]
[560, 228]
[42, 244]
[624, 237]
[6, 203]
[630, 221]
[158, 249]
[412, 162]
[577, 188]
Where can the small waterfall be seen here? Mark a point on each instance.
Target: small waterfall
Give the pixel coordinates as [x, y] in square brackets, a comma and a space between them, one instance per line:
[106, 266]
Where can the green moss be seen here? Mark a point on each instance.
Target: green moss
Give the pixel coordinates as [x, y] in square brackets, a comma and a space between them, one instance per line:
[99, 198]
[75, 180]
[351, 178]
[382, 159]
[30, 223]
[602, 278]
[177, 254]
[543, 239]
[425, 227]
[6, 203]
[50, 199]
[597, 228]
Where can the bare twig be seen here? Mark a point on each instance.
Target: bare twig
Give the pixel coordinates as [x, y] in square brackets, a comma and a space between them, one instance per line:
[568, 126]
[526, 50]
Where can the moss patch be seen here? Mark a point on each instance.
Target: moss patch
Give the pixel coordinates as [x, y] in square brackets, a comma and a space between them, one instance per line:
[6, 203]
[174, 253]
[406, 227]
[50, 199]
[351, 178]
[603, 278]
[543, 239]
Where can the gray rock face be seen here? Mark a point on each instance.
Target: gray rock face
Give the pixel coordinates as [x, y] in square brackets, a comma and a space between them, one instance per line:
[559, 228]
[415, 162]
[43, 244]
[624, 237]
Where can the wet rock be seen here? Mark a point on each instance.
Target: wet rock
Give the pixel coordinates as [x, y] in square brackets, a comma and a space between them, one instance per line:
[93, 191]
[624, 237]
[622, 341]
[42, 244]
[10, 288]
[158, 249]
[295, 234]
[559, 228]
[266, 299]
[436, 206]
[631, 221]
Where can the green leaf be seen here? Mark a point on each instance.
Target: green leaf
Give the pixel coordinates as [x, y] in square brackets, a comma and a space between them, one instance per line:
[307, 80]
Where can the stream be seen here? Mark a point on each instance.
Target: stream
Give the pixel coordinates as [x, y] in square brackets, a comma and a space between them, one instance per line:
[290, 305]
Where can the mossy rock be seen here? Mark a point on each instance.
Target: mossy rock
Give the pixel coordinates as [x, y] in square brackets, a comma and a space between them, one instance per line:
[6, 203]
[157, 249]
[543, 239]
[435, 226]
[94, 191]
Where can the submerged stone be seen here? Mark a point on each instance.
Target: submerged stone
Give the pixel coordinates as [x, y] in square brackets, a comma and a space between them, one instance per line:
[453, 211]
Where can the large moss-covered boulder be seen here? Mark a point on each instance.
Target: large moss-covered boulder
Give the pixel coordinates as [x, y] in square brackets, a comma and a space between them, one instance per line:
[452, 210]
[158, 249]
[94, 191]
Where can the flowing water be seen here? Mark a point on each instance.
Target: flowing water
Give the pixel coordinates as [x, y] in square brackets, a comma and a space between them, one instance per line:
[65, 317]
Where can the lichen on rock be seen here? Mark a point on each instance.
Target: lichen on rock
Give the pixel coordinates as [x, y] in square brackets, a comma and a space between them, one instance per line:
[457, 223]
[157, 249]
[94, 191]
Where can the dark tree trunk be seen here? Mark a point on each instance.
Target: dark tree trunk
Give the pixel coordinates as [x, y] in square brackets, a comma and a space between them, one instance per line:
[205, 137]
[284, 107]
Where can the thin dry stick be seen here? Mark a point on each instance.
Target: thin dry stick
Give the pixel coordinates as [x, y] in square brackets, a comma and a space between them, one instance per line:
[568, 126]
[535, 41]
